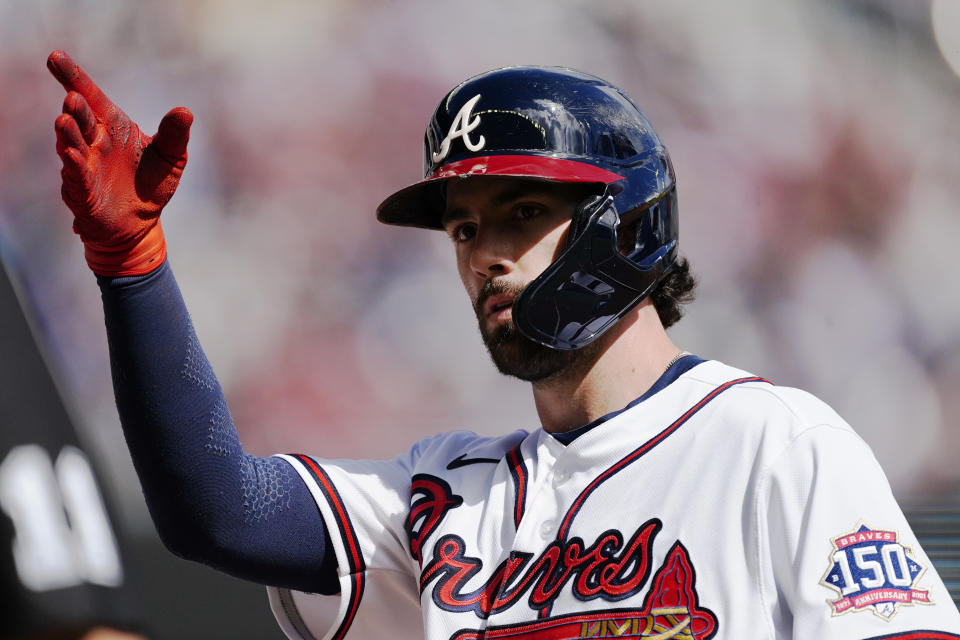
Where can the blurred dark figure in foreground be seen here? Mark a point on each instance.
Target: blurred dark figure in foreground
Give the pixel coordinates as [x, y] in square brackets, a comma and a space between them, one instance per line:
[61, 574]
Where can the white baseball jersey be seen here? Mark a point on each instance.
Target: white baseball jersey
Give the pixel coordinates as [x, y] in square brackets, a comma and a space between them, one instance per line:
[720, 506]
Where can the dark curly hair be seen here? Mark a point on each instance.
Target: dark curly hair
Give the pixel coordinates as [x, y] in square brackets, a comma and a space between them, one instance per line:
[673, 291]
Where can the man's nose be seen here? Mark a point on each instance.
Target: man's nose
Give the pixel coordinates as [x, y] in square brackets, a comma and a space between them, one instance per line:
[492, 254]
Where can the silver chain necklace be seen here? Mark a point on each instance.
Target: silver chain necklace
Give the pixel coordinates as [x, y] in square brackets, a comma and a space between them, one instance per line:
[675, 358]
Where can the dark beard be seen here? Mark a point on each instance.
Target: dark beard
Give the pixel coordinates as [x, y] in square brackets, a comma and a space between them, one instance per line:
[516, 355]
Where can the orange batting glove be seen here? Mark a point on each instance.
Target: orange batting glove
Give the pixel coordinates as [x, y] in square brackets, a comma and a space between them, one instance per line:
[116, 179]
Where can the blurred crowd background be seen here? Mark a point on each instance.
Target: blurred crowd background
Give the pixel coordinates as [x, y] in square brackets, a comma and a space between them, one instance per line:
[817, 148]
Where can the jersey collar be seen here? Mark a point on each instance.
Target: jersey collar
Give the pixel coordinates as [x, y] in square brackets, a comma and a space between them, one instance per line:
[673, 372]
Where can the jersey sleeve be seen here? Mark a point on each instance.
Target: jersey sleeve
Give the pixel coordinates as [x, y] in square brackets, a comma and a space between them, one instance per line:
[841, 560]
[364, 504]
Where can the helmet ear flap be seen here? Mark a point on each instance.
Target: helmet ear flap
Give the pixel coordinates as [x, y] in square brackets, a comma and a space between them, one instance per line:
[588, 287]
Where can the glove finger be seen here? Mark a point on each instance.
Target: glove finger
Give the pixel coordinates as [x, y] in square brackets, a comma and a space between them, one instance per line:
[68, 135]
[76, 106]
[73, 78]
[77, 178]
[173, 135]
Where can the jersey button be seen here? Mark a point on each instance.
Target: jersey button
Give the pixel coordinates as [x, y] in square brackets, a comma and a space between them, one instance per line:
[546, 528]
[561, 476]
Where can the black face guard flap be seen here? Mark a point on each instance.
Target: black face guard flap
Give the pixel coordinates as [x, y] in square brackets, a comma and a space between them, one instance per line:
[590, 286]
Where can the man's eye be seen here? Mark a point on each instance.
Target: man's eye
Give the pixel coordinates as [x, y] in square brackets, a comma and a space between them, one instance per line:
[525, 211]
[463, 232]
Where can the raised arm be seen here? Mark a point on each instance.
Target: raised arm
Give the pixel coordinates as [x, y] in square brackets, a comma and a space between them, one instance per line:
[209, 500]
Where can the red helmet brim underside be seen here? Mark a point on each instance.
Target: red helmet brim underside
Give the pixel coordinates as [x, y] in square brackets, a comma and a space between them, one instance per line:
[420, 204]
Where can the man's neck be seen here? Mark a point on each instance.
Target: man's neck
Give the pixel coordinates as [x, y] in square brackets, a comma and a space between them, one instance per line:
[636, 353]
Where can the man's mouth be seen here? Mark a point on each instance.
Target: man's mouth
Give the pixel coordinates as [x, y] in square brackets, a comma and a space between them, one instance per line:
[498, 307]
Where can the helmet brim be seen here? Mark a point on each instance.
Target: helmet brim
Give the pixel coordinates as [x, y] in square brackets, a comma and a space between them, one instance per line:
[421, 204]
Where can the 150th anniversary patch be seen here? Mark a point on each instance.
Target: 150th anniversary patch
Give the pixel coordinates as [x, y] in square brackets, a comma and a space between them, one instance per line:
[871, 569]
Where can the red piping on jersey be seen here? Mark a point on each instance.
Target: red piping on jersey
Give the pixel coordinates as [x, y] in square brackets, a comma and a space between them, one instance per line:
[519, 473]
[644, 448]
[349, 536]
[331, 494]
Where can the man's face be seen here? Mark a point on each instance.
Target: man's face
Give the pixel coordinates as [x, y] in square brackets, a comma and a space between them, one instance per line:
[506, 232]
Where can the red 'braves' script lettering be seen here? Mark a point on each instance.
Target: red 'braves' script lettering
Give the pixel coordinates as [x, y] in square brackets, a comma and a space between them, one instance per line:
[609, 568]
[671, 609]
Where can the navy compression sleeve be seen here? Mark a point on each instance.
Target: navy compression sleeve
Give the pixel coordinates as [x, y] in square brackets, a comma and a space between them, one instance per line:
[211, 502]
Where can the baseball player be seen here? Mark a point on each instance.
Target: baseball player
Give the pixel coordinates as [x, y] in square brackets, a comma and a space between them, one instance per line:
[664, 496]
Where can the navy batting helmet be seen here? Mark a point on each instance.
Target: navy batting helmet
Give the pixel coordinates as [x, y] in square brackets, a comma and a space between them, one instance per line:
[560, 125]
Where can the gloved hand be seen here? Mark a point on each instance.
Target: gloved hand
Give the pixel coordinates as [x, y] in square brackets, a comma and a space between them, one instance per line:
[116, 179]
